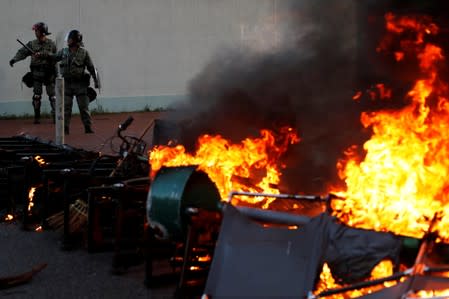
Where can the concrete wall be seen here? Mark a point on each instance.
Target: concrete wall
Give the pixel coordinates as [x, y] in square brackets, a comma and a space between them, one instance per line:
[146, 50]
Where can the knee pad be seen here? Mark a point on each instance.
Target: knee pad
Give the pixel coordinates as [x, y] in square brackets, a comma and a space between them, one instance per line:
[37, 101]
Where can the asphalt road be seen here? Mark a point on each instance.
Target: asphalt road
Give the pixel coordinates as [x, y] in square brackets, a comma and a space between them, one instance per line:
[69, 274]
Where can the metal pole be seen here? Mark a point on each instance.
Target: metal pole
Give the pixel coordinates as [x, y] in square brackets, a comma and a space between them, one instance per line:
[59, 109]
[284, 196]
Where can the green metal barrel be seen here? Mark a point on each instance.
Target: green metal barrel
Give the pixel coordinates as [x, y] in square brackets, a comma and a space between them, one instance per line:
[173, 190]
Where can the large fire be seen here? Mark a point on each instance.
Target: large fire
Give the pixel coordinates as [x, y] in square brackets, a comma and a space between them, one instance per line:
[400, 185]
[402, 182]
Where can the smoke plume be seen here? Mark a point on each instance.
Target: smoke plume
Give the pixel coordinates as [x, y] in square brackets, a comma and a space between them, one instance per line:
[306, 82]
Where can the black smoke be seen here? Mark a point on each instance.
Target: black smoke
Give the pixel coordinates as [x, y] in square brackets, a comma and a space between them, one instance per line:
[307, 82]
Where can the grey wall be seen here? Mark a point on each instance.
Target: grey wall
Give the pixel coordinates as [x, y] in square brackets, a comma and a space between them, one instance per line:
[146, 50]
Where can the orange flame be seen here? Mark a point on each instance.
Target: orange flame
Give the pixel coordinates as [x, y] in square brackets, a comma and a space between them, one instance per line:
[31, 198]
[383, 269]
[430, 294]
[402, 182]
[252, 165]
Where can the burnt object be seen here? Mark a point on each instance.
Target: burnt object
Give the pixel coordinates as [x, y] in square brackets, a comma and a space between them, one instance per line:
[19, 279]
[165, 132]
[183, 218]
[173, 192]
[116, 221]
[351, 253]
[23, 160]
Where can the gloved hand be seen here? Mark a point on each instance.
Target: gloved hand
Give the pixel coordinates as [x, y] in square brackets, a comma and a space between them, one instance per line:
[11, 62]
[40, 54]
[96, 84]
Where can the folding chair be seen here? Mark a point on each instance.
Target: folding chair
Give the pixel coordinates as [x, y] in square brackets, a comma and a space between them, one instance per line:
[252, 259]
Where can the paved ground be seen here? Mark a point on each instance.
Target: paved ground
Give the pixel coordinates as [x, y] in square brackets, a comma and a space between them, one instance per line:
[76, 273]
[69, 274]
[104, 125]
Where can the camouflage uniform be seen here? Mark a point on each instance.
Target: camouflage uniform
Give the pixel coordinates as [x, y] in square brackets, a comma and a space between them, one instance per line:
[43, 72]
[76, 81]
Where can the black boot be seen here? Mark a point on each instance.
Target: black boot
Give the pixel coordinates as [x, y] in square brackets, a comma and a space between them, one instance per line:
[37, 108]
[88, 130]
[37, 116]
[52, 106]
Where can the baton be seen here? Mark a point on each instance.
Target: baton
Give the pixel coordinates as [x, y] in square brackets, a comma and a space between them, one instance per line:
[25, 46]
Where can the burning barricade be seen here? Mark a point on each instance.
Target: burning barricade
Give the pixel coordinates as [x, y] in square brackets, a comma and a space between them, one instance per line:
[383, 234]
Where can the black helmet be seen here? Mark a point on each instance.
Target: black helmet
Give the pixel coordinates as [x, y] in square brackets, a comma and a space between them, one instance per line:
[76, 36]
[42, 27]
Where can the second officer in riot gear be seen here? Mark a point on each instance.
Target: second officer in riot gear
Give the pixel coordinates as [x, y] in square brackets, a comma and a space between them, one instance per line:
[75, 59]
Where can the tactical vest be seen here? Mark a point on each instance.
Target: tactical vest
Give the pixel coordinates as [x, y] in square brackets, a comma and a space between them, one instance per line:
[47, 47]
[73, 64]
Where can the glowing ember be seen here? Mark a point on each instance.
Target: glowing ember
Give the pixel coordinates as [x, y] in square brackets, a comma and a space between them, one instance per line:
[357, 96]
[30, 198]
[252, 165]
[402, 181]
[39, 160]
[9, 217]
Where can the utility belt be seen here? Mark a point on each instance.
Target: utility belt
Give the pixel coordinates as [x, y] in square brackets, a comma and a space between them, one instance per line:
[70, 80]
[74, 80]
[84, 79]
[41, 68]
[45, 70]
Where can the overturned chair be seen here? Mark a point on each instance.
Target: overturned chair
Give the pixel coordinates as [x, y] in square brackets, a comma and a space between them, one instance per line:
[253, 259]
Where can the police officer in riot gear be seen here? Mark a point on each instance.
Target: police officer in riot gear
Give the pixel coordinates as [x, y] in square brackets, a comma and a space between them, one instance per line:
[74, 60]
[42, 67]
